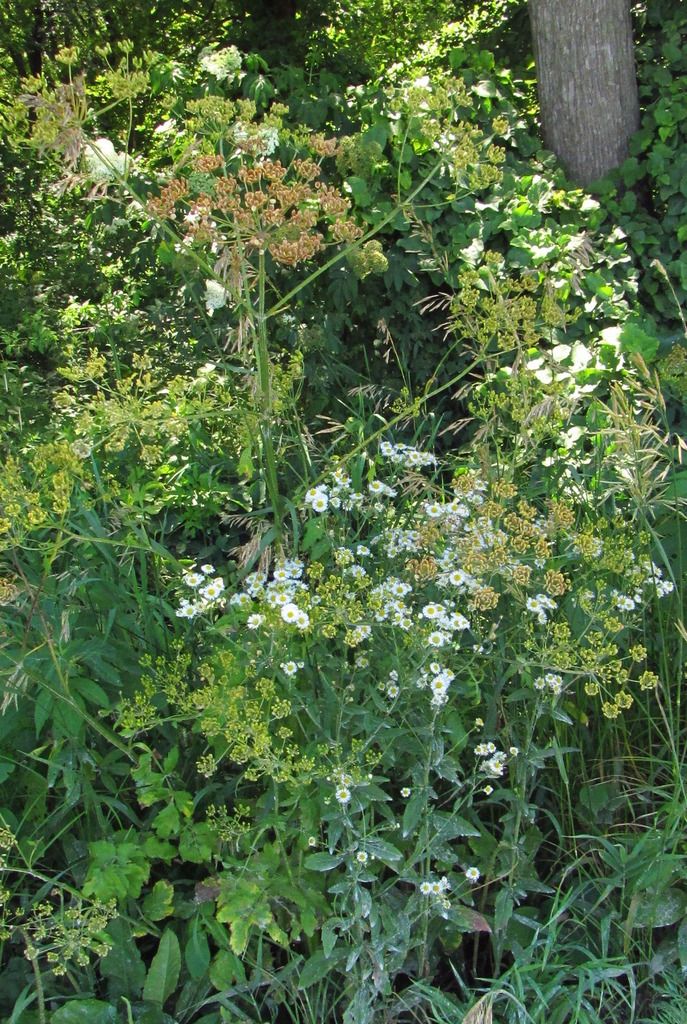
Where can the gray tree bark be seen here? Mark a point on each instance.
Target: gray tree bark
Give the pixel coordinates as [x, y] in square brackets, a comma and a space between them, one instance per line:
[587, 82]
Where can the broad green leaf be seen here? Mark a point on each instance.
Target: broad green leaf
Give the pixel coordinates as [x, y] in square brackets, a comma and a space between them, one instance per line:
[85, 1011]
[318, 967]
[197, 951]
[322, 862]
[661, 908]
[123, 966]
[163, 974]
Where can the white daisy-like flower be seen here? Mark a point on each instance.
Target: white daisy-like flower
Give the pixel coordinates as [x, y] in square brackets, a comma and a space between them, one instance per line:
[343, 794]
[193, 579]
[437, 638]
[362, 857]
[473, 874]
[207, 569]
[289, 668]
[405, 792]
[433, 611]
[213, 590]
[186, 611]
[426, 888]
[255, 621]
[290, 612]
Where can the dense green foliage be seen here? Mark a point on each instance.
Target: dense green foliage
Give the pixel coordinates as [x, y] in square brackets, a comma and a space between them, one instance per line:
[342, 522]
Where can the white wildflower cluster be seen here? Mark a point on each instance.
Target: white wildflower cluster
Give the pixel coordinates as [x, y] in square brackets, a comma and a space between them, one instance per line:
[647, 578]
[215, 296]
[387, 599]
[540, 605]
[282, 593]
[208, 593]
[221, 64]
[397, 541]
[103, 162]
[405, 455]
[436, 887]
[437, 678]
[342, 791]
[552, 681]
[392, 689]
[381, 490]
[494, 763]
[338, 493]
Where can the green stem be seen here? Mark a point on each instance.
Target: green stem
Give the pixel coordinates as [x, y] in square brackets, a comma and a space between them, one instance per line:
[264, 377]
[40, 991]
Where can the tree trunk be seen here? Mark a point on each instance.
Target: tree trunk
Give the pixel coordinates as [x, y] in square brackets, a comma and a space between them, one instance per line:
[586, 81]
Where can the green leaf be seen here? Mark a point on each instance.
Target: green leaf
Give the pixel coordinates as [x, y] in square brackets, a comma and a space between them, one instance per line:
[197, 843]
[330, 934]
[85, 1011]
[197, 951]
[322, 862]
[633, 338]
[658, 909]
[383, 851]
[164, 970]
[318, 967]
[412, 813]
[158, 904]
[226, 970]
[123, 966]
[166, 822]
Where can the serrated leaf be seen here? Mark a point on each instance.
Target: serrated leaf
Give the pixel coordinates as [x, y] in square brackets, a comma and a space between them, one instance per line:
[164, 970]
